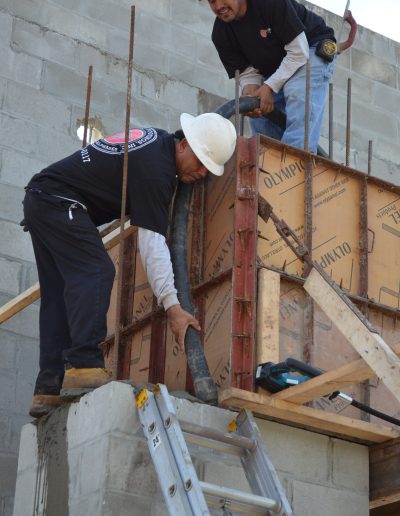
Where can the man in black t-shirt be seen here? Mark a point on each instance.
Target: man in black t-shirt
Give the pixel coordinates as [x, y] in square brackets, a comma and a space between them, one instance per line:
[269, 42]
[63, 205]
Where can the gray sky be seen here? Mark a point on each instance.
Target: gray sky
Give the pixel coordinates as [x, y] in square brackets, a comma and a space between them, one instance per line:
[381, 16]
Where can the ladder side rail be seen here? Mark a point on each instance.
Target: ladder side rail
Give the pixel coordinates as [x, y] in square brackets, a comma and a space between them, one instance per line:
[180, 451]
[168, 475]
[259, 469]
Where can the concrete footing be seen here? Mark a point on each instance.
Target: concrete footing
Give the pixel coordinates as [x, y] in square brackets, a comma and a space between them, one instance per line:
[90, 458]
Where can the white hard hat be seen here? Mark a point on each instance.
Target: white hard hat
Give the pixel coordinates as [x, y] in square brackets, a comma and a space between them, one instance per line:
[211, 137]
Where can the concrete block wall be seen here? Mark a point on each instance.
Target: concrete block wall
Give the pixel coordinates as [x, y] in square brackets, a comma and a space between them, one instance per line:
[46, 47]
[91, 457]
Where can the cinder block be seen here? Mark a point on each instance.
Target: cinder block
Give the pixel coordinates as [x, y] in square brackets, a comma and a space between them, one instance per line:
[361, 87]
[20, 67]
[159, 89]
[17, 422]
[6, 22]
[150, 114]
[15, 241]
[7, 390]
[4, 431]
[207, 54]
[93, 504]
[25, 322]
[155, 7]
[24, 136]
[313, 500]
[303, 455]
[197, 17]
[9, 351]
[10, 271]
[216, 472]
[210, 80]
[151, 58]
[123, 504]
[8, 503]
[129, 467]
[29, 276]
[11, 203]
[350, 463]
[17, 168]
[8, 473]
[42, 109]
[373, 67]
[114, 416]
[375, 44]
[44, 44]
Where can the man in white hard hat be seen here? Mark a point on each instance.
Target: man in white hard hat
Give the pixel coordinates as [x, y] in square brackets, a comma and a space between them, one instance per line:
[63, 206]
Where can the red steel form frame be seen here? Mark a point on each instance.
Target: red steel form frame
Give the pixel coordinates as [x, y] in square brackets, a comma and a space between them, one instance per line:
[244, 287]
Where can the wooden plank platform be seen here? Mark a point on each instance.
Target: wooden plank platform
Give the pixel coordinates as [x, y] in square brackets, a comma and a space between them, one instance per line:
[319, 421]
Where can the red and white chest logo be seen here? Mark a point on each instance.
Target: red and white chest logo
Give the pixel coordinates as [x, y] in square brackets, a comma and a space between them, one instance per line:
[264, 32]
[137, 139]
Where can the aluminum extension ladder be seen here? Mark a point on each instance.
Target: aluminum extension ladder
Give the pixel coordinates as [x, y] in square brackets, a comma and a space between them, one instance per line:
[184, 494]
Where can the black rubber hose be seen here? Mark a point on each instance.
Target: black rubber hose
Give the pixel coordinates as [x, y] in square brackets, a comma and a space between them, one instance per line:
[204, 386]
[247, 104]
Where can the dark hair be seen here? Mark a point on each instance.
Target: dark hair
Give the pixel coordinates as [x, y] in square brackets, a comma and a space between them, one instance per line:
[179, 135]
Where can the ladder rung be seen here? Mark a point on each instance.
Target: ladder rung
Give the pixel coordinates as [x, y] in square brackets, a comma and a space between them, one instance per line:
[249, 499]
[236, 440]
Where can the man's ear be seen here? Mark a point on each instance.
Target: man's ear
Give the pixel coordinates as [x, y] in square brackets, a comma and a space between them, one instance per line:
[182, 144]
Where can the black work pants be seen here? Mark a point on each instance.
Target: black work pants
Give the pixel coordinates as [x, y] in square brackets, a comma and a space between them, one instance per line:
[75, 276]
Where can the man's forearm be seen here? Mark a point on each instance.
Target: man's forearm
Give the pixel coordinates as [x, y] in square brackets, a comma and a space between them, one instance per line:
[156, 260]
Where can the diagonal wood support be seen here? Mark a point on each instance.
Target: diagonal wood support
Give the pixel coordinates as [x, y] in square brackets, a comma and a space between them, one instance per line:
[371, 347]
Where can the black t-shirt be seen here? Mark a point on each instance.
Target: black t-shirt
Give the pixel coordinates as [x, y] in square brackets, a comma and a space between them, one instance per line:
[259, 38]
[93, 175]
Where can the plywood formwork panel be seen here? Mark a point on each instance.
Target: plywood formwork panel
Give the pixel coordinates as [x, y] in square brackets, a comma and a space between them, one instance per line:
[384, 256]
[335, 214]
[217, 336]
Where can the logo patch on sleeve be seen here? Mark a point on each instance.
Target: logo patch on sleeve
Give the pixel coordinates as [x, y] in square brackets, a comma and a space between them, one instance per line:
[114, 144]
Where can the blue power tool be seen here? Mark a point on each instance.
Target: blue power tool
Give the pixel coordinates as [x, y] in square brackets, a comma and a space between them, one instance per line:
[277, 377]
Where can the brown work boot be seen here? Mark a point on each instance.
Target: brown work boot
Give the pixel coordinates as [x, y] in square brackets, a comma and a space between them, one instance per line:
[79, 381]
[42, 404]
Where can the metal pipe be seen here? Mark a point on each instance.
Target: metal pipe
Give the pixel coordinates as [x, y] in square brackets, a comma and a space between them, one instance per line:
[348, 123]
[87, 108]
[369, 157]
[237, 119]
[330, 120]
[307, 107]
[116, 350]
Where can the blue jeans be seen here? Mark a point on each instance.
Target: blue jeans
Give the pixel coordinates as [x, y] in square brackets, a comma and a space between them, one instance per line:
[291, 100]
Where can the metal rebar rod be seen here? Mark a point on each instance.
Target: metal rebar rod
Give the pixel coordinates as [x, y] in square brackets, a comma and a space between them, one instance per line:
[369, 157]
[237, 118]
[123, 202]
[348, 123]
[87, 108]
[330, 120]
[307, 107]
